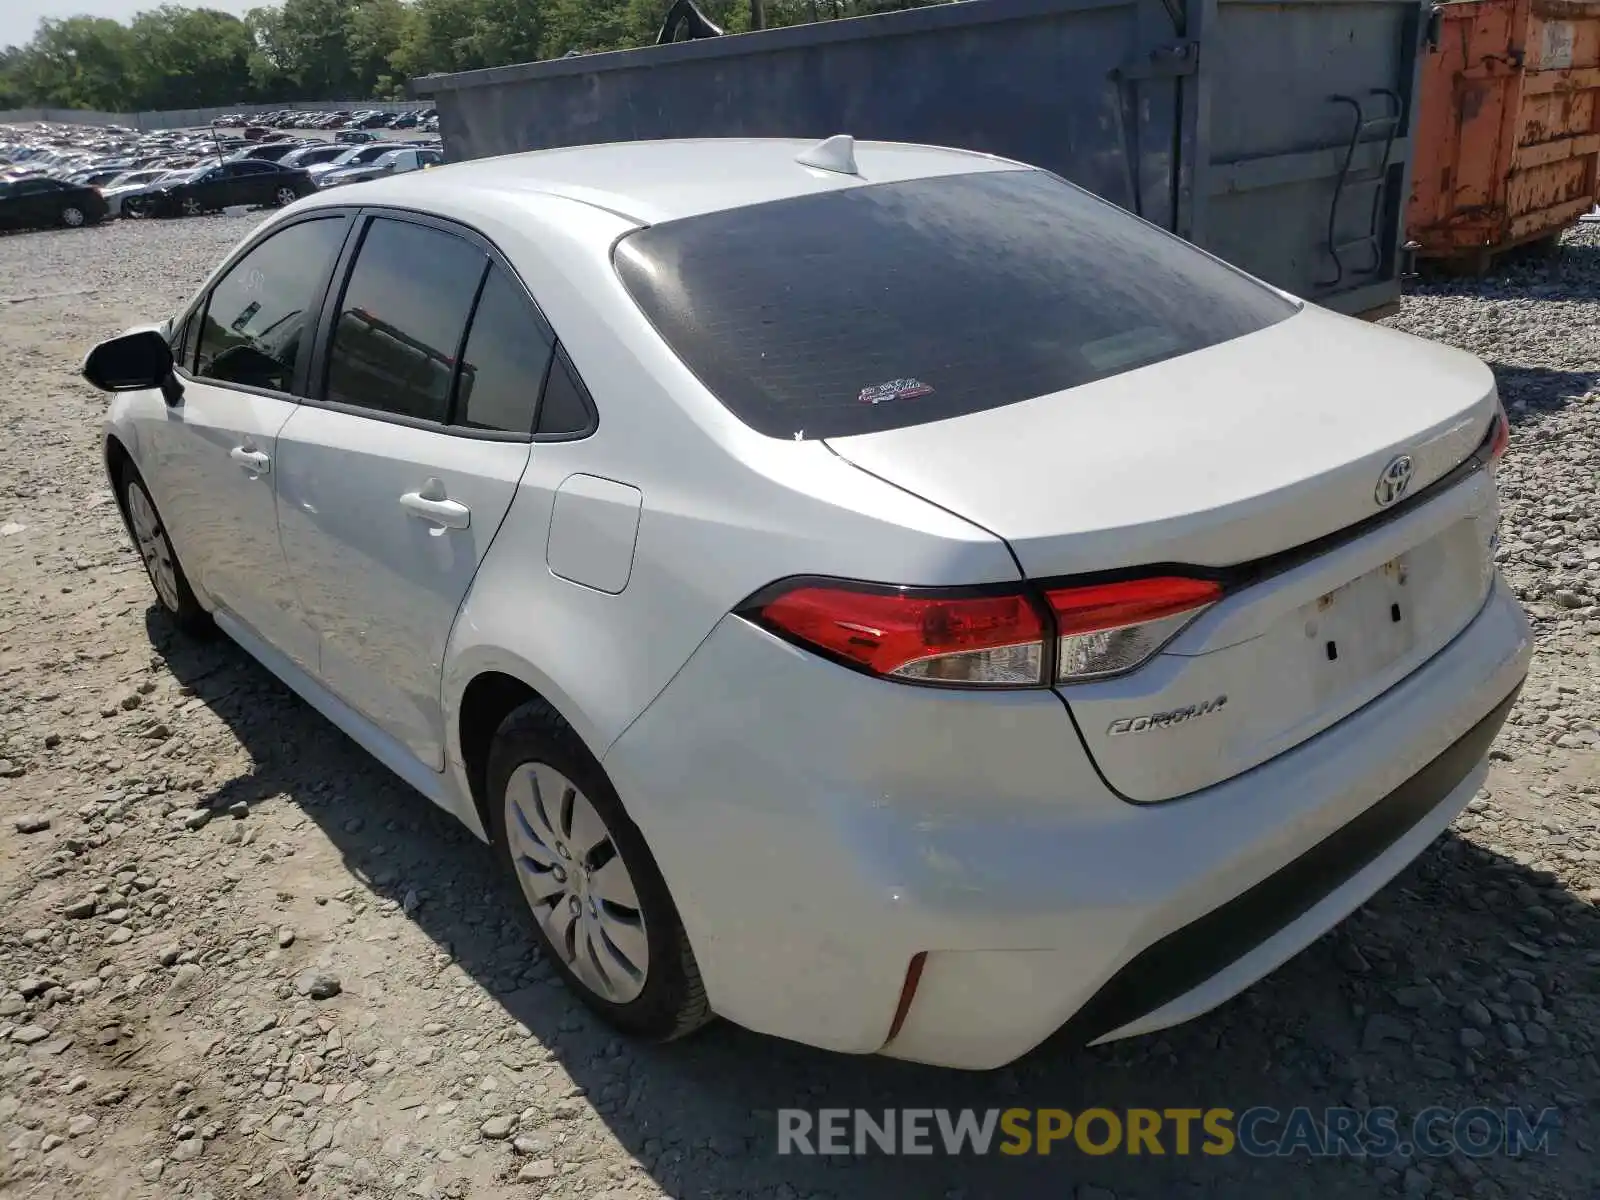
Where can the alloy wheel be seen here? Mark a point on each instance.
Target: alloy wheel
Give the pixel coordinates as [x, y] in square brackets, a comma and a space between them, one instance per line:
[576, 882]
[72, 217]
[154, 548]
[286, 195]
[191, 207]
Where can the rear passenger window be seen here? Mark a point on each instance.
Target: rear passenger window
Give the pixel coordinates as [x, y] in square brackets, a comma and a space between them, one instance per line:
[401, 319]
[261, 309]
[503, 368]
[566, 411]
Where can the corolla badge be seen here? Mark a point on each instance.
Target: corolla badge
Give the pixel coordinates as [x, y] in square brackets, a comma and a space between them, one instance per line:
[1164, 720]
[1394, 481]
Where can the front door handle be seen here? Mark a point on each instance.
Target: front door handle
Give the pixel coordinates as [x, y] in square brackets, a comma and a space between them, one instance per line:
[251, 460]
[431, 504]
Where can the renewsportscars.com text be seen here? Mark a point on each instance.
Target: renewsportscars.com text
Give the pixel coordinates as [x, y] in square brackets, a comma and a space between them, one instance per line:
[1258, 1131]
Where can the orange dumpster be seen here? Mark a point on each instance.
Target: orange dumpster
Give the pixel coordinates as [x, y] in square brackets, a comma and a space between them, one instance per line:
[1508, 126]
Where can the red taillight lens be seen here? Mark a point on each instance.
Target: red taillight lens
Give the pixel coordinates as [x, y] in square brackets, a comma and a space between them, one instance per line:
[1499, 436]
[992, 640]
[1108, 628]
[976, 640]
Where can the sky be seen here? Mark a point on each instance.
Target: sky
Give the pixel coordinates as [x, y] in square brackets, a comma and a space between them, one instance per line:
[19, 18]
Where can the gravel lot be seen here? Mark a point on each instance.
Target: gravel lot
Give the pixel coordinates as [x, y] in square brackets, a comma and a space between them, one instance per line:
[189, 850]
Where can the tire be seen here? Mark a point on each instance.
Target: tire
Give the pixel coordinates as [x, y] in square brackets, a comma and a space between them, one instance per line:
[285, 196]
[74, 217]
[659, 999]
[161, 563]
[190, 207]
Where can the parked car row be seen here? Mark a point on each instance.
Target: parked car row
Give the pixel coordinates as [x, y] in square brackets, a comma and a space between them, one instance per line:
[61, 175]
[73, 176]
[328, 164]
[95, 156]
[366, 118]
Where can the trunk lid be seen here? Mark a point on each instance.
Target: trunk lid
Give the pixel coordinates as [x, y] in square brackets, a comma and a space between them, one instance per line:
[1227, 456]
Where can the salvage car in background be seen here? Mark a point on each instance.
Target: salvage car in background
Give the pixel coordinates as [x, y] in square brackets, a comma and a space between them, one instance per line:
[123, 198]
[249, 181]
[1065, 634]
[310, 155]
[353, 156]
[96, 178]
[268, 152]
[34, 203]
[391, 162]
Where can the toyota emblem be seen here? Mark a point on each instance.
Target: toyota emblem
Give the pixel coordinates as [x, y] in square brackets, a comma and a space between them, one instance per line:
[1394, 481]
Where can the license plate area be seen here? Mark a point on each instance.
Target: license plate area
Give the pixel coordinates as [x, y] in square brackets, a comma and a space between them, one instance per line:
[1363, 627]
[1281, 685]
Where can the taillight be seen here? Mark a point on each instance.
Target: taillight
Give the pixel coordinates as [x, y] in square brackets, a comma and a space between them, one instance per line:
[1500, 435]
[994, 640]
[1108, 628]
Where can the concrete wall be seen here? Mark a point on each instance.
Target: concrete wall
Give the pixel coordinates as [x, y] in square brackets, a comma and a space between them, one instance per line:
[184, 118]
[66, 116]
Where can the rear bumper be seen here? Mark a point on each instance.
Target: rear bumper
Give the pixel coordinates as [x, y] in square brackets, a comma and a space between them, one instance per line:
[818, 829]
[1386, 835]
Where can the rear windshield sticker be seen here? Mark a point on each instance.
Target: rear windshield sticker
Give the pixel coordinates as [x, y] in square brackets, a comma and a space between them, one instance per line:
[895, 389]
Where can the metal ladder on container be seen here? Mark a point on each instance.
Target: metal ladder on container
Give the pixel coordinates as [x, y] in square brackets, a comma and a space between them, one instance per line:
[1362, 125]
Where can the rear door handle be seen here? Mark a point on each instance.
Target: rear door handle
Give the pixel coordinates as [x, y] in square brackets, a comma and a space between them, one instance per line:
[251, 460]
[430, 505]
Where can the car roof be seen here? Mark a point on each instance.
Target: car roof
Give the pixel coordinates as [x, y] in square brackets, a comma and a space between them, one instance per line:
[651, 182]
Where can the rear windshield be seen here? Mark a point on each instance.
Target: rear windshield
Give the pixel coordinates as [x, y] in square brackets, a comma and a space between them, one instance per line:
[895, 304]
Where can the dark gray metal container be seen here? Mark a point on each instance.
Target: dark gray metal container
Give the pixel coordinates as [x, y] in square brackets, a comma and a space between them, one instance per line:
[1276, 135]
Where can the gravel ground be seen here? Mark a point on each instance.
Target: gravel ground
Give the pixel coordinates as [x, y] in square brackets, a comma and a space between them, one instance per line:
[237, 958]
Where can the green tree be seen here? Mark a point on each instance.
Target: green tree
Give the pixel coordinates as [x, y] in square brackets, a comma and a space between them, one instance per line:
[79, 62]
[267, 79]
[177, 57]
[12, 94]
[509, 31]
[302, 49]
[591, 25]
[372, 36]
[438, 36]
[188, 57]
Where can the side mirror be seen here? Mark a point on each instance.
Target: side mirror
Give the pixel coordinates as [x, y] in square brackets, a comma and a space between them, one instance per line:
[134, 362]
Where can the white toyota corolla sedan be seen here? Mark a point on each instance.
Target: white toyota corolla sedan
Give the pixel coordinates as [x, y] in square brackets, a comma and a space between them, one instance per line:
[882, 595]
